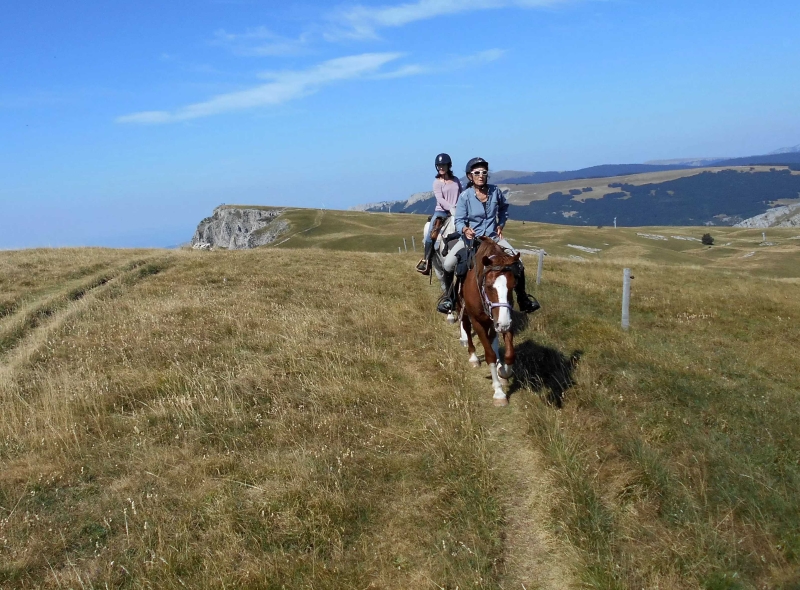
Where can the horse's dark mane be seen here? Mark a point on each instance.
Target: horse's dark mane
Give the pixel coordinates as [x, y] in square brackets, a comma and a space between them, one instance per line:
[489, 247]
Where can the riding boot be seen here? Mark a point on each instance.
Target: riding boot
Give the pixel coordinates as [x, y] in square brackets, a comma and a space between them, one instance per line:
[424, 265]
[447, 302]
[527, 303]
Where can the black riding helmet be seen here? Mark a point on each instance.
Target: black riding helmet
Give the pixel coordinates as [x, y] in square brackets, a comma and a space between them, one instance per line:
[443, 160]
[475, 162]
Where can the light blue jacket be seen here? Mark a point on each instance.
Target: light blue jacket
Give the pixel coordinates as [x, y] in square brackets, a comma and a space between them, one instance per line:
[483, 218]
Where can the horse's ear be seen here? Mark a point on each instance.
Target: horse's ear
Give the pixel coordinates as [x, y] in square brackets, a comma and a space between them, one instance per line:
[486, 261]
[516, 256]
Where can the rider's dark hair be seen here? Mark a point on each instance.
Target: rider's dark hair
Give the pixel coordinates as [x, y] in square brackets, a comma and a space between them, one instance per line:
[449, 175]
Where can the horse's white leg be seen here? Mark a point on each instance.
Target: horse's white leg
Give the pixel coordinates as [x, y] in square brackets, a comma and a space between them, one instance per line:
[499, 398]
[463, 336]
[474, 360]
[451, 318]
[508, 366]
[502, 370]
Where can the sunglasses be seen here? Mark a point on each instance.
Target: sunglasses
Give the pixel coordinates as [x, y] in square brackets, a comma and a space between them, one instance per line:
[480, 173]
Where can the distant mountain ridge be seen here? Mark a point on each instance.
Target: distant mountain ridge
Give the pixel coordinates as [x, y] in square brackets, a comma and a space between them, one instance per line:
[786, 150]
[780, 157]
[602, 171]
[722, 192]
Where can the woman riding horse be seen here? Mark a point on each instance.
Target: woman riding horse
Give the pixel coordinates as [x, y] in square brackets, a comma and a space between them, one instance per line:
[482, 210]
[446, 188]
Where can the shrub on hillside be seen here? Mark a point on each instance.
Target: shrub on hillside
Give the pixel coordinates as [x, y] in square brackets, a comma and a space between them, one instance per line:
[707, 240]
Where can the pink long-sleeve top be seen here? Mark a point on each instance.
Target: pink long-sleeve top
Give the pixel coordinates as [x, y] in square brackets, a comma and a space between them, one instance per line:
[446, 192]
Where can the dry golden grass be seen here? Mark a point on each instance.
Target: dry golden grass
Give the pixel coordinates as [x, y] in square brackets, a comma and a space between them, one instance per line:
[677, 448]
[288, 418]
[249, 419]
[26, 275]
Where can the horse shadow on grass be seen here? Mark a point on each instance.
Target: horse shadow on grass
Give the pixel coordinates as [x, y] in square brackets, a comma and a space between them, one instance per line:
[539, 367]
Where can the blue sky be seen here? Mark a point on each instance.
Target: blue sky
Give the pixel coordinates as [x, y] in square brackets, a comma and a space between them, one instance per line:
[124, 124]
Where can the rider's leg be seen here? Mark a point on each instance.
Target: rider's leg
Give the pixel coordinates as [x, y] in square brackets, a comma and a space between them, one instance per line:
[424, 265]
[448, 301]
[527, 303]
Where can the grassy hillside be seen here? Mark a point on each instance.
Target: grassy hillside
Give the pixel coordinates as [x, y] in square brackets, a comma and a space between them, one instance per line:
[734, 249]
[299, 416]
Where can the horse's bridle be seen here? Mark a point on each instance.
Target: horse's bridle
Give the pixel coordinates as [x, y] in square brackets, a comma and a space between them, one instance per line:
[488, 304]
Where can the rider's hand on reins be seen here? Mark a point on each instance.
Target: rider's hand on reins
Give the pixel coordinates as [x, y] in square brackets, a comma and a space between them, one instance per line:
[469, 233]
[500, 232]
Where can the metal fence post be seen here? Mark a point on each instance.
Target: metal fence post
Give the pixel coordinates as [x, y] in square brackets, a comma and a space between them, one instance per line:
[405, 246]
[399, 250]
[540, 267]
[414, 243]
[626, 298]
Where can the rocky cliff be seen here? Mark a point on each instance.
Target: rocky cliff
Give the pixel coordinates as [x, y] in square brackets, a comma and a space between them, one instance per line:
[784, 216]
[239, 228]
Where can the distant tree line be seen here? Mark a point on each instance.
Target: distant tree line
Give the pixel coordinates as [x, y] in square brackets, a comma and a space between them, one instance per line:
[693, 200]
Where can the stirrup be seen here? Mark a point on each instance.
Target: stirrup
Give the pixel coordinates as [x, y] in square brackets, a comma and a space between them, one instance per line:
[423, 267]
[445, 306]
[447, 302]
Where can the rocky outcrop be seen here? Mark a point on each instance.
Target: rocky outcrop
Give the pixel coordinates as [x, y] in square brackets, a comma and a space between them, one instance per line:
[379, 207]
[402, 206]
[239, 228]
[785, 216]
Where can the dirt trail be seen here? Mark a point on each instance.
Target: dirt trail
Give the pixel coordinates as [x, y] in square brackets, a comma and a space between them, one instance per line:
[534, 556]
[28, 329]
[317, 222]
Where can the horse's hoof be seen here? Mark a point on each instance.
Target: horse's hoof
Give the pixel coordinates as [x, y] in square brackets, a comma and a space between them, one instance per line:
[503, 373]
[475, 364]
[500, 402]
[463, 343]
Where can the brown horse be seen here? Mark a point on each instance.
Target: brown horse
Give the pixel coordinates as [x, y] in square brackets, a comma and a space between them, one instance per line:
[486, 300]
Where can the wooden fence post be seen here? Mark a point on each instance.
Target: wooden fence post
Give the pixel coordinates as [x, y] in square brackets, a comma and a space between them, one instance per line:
[626, 298]
[540, 267]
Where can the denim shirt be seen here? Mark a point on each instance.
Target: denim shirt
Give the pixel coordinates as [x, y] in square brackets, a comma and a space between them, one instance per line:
[483, 218]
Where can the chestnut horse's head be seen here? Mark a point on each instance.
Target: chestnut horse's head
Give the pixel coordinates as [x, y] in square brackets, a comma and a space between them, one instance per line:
[496, 280]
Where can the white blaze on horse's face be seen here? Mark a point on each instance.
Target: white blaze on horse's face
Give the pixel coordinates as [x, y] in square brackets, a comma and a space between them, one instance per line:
[503, 321]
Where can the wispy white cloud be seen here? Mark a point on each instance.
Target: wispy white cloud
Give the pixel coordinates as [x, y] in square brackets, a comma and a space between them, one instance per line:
[260, 41]
[282, 87]
[361, 22]
[482, 57]
[403, 72]
[444, 66]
